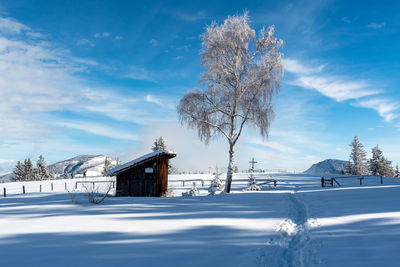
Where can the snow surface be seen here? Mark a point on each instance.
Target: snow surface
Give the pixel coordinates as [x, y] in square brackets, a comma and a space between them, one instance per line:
[298, 223]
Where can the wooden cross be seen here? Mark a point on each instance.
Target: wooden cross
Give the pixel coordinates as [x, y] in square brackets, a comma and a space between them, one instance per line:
[252, 163]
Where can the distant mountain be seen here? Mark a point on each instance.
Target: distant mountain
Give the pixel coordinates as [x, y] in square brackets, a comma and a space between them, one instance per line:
[91, 164]
[328, 166]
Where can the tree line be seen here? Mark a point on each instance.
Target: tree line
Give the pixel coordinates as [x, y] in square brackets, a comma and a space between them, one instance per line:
[25, 171]
[358, 163]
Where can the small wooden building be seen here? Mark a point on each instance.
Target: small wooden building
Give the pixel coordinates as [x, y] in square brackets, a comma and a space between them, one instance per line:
[146, 176]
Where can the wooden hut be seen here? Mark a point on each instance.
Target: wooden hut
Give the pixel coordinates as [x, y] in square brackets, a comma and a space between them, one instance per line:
[146, 176]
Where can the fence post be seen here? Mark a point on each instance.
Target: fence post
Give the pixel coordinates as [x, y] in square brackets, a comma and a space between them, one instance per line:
[322, 182]
[361, 180]
[4, 192]
[23, 189]
[183, 183]
[76, 185]
[40, 189]
[274, 183]
[381, 179]
[51, 186]
[65, 186]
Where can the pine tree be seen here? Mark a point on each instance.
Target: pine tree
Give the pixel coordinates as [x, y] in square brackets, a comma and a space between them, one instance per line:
[42, 172]
[252, 183]
[379, 165]
[357, 164]
[19, 171]
[107, 167]
[28, 170]
[216, 183]
[159, 144]
[397, 171]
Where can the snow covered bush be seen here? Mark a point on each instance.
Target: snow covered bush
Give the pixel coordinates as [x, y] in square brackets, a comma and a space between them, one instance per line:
[216, 185]
[192, 192]
[252, 184]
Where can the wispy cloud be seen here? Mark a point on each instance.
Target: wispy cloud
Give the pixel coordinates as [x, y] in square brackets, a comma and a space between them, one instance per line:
[336, 87]
[188, 16]
[386, 109]
[341, 89]
[81, 42]
[346, 20]
[292, 65]
[374, 25]
[9, 25]
[152, 99]
[100, 129]
[139, 73]
[6, 161]
[273, 145]
[153, 42]
[102, 35]
[118, 37]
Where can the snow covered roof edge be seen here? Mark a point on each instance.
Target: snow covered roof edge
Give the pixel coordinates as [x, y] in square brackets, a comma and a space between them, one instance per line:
[124, 166]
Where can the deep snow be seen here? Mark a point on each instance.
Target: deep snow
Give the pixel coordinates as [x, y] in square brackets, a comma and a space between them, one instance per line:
[296, 224]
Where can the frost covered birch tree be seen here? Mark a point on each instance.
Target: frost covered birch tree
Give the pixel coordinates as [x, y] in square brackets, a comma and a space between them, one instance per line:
[242, 73]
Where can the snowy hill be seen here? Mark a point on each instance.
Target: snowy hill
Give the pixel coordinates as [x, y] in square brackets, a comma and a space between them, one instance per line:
[92, 164]
[328, 166]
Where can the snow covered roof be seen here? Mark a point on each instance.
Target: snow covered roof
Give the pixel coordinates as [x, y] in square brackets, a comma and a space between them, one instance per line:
[147, 157]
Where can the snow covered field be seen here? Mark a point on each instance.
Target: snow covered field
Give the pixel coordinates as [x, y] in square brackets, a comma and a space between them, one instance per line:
[298, 223]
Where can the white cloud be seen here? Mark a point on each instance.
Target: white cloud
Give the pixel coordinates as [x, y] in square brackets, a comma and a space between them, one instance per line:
[385, 108]
[152, 99]
[189, 17]
[273, 145]
[100, 129]
[6, 161]
[292, 65]
[153, 42]
[102, 35]
[9, 25]
[346, 19]
[374, 25]
[336, 87]
[140, 73]
[118, 37]
[81, 42]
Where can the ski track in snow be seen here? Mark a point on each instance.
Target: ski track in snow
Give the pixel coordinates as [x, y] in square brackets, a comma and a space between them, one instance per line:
[294, 245]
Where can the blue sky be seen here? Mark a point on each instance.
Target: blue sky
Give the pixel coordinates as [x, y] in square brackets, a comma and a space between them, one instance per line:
[104, 77]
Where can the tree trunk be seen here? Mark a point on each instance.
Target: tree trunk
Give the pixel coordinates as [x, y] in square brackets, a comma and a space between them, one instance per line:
[230, 168]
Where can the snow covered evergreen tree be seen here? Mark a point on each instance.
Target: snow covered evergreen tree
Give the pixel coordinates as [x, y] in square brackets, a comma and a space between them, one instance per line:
[357, 164]
[19, 172]
[397, 171]
[379, 165]
[216, 184]
[242, 74]
[107, 167]
[159, 144]
[28, 174]
[192, 192]
[252, 183]
[42, 172]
